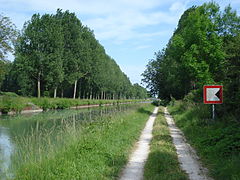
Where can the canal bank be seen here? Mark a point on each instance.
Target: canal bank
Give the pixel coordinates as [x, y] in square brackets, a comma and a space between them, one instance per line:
[49, 139]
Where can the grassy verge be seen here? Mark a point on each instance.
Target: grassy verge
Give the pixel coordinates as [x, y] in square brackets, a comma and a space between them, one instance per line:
[97, 151]
[217, 142]
[15, 103]
[162, 162]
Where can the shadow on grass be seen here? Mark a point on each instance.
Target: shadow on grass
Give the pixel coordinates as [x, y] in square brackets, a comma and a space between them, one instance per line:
[162, 137]
[160, 113]
[176, 111]
[144, 111]
[115, 163]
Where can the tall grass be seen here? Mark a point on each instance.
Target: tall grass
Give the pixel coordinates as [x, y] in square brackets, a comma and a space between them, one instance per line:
[216, 141]
[80, 146]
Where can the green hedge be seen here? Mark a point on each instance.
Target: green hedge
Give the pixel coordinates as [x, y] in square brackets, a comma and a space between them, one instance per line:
[12, 102]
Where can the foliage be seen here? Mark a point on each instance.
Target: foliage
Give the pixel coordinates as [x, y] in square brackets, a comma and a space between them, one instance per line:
[160, 102]
[58, 56]
[10, 102]
[8, 35]
[4, 70]
[203, 50]
[156, 102]
[217, 142]
[8, 94]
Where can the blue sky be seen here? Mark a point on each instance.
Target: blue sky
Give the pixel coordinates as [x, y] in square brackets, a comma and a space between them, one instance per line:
[130, 30]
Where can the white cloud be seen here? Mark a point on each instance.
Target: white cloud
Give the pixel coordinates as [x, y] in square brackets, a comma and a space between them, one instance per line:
[178, 7]
[128, 25]
[143, 47]
[119, 20]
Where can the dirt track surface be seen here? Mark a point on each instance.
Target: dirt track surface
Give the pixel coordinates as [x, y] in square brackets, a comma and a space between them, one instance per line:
[134, 168]
[187, 157]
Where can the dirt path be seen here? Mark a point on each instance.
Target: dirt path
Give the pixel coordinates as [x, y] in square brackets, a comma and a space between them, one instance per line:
[134, 168]
[189, 161]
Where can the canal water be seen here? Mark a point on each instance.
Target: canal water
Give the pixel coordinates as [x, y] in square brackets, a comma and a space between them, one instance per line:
[24, 137]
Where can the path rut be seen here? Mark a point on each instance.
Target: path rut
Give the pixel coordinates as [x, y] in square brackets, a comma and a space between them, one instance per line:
[135, 167]
[189, 161]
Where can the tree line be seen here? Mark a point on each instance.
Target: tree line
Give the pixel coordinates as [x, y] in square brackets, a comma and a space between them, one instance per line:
[56, 55]
[204, 49]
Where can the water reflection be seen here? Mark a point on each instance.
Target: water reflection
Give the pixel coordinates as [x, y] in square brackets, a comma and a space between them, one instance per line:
[6, 149]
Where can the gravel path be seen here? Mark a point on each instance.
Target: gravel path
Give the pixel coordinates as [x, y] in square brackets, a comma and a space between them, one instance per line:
[134, 168]
[189, 161]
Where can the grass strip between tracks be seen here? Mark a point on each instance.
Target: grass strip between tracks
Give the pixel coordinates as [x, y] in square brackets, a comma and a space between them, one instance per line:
[162, 160]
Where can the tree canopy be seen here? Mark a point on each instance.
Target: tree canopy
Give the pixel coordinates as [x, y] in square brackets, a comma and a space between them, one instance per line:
[56, 55]
[8, 34]
[203, 50]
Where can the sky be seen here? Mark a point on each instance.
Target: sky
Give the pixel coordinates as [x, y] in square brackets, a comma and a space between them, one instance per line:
[130, 30]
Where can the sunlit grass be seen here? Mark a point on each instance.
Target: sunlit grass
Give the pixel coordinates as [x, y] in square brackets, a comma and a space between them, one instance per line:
[82, 147]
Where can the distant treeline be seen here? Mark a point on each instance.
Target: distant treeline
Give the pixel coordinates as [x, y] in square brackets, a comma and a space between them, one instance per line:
[204, 49]
[55, 55]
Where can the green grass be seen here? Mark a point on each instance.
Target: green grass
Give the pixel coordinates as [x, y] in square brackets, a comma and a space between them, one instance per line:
[98, 150]
[12, 102]
[162, 162]
[217, 142]
[64, 103]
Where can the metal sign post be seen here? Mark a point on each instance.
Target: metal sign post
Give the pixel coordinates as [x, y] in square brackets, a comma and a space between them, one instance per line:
[213, 112]
[213, 94]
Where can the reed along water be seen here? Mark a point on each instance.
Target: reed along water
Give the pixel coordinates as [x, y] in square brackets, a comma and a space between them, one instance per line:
[32, 137]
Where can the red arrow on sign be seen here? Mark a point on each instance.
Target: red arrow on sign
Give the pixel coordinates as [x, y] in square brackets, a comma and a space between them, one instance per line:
[213, 94]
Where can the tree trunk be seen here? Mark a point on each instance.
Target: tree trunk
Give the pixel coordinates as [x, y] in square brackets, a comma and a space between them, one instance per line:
[62, 93]
[79, 88]
[79, 94]
[102, 95]
[55, 92]
[75, 89]
[91, 94]
[39, 86]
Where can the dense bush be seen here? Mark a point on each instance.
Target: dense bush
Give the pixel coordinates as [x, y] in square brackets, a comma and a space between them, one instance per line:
[8, 103]
[12, 94]
[156, 102]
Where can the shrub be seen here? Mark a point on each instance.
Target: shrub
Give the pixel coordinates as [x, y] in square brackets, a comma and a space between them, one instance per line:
[44, 103]
[9, 103]
[11, 94]
[156, 102]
